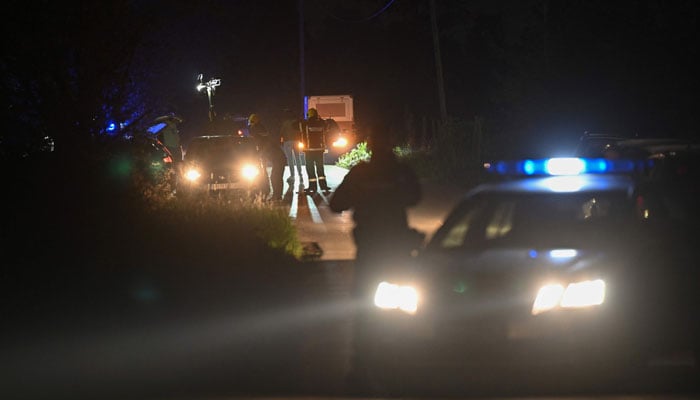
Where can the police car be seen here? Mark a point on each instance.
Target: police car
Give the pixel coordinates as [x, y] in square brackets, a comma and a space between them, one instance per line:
[556, 264]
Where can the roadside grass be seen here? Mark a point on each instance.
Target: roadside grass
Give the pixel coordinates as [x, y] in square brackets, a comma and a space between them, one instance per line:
[80, 240]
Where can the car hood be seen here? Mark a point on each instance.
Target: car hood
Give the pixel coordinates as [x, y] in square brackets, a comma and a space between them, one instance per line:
[505, 279]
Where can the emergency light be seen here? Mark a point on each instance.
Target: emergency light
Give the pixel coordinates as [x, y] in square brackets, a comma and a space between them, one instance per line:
[562, 166]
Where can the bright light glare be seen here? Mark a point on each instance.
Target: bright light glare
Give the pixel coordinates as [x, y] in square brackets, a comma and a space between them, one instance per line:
[192, 174]
[340, 142]
[564, 184]
[300, 145]
[565, 166]
[200, 87]
[576, 295]
[563, 253]
[584, 294]
[391, 296]
[548, 298]
[250, 172]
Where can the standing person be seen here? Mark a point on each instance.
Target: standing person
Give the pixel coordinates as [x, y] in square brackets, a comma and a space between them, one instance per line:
[170, 136]
[291, 135]
[314, 131]
[271, 152]
[379, 193]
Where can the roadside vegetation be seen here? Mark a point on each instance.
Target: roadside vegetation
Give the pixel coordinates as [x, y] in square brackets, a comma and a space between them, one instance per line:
[106, 232]
[454, 155]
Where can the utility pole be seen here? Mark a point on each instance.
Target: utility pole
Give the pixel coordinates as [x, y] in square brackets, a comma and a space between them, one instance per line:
[438, 62]
[302, 71]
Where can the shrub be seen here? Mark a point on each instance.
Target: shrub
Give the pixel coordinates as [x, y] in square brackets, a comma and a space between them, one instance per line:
[356, 155]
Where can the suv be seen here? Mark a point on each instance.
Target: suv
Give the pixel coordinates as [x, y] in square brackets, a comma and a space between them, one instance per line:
[223, 163]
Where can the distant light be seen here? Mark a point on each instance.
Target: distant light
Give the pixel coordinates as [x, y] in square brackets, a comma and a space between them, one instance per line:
[563, 253]
[532, 253]
[565, 166]
[156, 128]
[529, 167]
[111, 126]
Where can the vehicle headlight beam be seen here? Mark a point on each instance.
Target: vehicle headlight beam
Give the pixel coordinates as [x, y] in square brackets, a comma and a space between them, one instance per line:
[392, 297]
[576, 295]
[192, 174]
[250, 172]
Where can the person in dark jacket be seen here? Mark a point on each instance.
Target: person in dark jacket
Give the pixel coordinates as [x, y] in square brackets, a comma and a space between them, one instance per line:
[314, 132]
[290, 132]
[271, 152]
[379, 193]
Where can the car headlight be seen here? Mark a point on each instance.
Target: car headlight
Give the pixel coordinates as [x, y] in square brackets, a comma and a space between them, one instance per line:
[250, 171]
[576, 295]
[340, 142]
[192, 174]
[391, 296]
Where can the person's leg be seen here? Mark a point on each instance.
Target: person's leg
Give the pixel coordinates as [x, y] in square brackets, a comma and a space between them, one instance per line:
[322, 174]
[311, 171]
[296, 158]
[277, 175]
[288, 148]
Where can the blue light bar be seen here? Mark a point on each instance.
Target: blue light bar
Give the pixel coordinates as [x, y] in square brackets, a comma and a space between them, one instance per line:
[562, 166]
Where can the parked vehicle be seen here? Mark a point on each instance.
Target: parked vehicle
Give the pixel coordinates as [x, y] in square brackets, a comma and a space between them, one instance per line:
[223, 163]
[340, 109]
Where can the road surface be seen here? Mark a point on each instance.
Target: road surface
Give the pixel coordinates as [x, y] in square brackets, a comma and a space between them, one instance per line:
[315, 222]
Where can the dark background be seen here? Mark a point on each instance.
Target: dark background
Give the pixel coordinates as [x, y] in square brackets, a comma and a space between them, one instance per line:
[538, 73]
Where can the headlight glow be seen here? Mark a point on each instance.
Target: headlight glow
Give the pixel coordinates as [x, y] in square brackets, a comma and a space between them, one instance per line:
[576, 295]
[192, 174]
[340, 142]
[391, 296]
[548, 298]
[300, 146]
[584, 294]
[249, 172]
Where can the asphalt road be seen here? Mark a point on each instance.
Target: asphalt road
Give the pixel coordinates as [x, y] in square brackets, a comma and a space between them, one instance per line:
[316, 223]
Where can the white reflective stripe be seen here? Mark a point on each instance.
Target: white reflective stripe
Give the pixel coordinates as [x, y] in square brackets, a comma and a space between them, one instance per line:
[315, 215]
[294, 207]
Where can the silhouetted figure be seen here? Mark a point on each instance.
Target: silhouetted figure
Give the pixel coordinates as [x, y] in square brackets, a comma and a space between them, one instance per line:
[290, 132]
[378, 192]
[314, 132]
[271, 152]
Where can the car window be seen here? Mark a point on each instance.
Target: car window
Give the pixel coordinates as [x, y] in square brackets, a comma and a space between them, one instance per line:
[535, 220]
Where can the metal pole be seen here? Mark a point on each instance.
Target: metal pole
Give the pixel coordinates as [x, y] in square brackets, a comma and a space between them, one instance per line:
[438, 62]
[302, 71]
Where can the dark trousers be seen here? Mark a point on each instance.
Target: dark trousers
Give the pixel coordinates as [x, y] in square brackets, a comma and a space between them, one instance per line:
[276, 157]
[315, 170]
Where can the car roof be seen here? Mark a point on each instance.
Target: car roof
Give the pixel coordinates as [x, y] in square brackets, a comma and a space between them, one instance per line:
[559, 184]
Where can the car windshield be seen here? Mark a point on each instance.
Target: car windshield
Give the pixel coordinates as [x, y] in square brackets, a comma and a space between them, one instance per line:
[535, 220]
[216, 149]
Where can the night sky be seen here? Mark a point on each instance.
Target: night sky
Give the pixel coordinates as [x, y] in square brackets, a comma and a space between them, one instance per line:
[538, 73]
